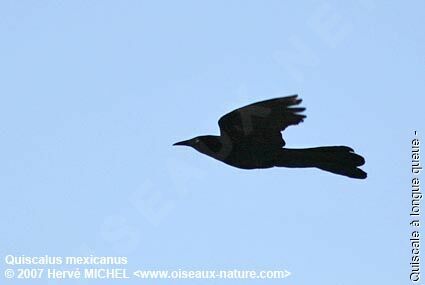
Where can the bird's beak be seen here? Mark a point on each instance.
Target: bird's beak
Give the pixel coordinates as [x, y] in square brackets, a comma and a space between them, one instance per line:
[187, 143]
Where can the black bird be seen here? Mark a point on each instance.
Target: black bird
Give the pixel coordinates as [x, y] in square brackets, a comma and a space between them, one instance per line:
[250, 137]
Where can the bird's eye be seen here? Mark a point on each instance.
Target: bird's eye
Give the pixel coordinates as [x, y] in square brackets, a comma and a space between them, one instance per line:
[196, 141]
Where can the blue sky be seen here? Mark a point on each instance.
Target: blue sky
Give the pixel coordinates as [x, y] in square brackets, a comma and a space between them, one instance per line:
[94, 93]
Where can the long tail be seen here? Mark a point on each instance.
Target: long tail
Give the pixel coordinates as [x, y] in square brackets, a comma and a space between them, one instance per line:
[336, 159]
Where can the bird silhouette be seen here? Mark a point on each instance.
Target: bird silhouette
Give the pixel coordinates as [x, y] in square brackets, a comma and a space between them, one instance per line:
[251, 138]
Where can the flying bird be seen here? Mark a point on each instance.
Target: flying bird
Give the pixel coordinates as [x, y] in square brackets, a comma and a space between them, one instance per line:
[251, 138]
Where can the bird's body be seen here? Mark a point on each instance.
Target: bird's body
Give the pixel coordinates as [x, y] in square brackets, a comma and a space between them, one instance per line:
[245, 153]
[251, 138]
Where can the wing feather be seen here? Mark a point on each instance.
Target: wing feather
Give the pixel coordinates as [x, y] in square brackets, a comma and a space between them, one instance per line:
[263, 121]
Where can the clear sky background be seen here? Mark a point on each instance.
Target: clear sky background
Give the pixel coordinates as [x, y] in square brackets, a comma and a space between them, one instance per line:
[94, 93]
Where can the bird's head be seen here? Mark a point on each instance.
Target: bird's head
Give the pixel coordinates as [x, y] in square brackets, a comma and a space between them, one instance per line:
[192, 142]
[205, 144]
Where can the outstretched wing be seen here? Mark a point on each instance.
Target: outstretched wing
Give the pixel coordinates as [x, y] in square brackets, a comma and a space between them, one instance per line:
[263, 121]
